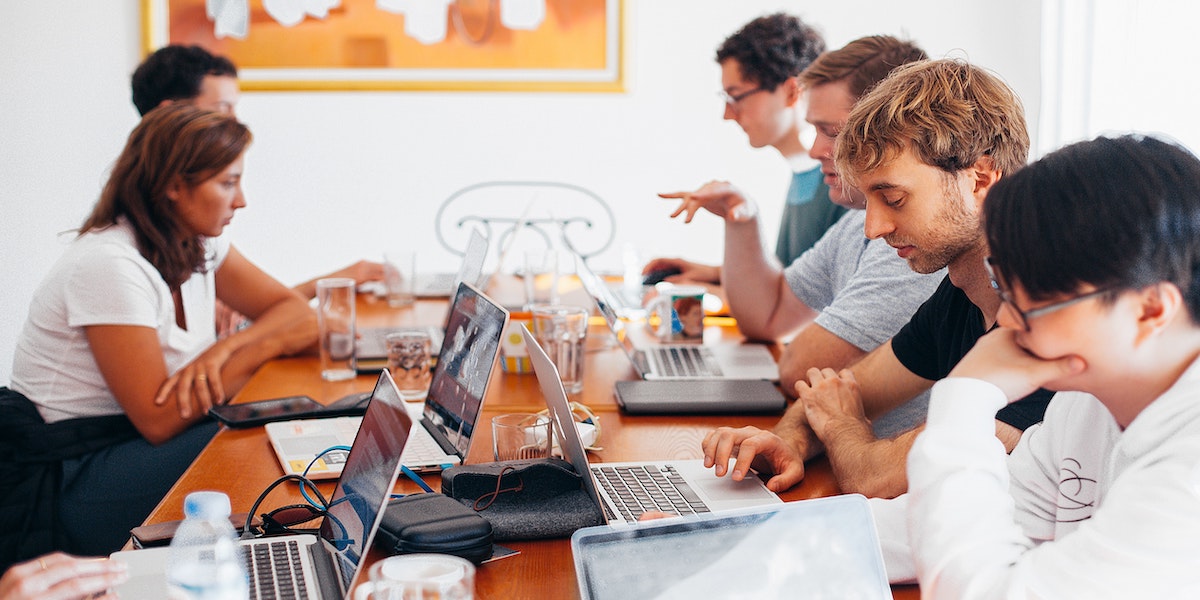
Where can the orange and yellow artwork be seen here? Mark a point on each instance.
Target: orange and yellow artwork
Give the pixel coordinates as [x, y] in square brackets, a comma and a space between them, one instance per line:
[563, 45]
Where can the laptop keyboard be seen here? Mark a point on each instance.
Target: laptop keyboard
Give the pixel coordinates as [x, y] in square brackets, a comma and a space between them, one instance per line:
[684, 361]
[276, 571]
[421, 449]
[639, 488]
[440, 282]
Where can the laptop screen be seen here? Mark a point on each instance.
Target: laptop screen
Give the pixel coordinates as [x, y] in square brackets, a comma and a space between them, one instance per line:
[822, 548]
[473, 330]
[602, 295]
[471, 270]
[367, 479]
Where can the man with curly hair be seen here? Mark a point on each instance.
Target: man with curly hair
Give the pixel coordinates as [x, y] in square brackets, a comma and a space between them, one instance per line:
[924, 146]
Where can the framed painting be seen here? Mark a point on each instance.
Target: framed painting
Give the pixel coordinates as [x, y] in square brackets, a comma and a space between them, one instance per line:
[436, 45]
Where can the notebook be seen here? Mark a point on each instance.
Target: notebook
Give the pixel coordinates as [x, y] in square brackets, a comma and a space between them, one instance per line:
[699, 396]
[447, 416]
[325, 564]
[625, 490]
[822, 548]
[655, 360]
[370, 352]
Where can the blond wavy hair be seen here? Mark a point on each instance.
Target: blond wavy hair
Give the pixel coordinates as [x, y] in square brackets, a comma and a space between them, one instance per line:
[948, 112]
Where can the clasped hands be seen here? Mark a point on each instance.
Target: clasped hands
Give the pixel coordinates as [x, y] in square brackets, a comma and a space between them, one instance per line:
[198, 385]
[832, 408]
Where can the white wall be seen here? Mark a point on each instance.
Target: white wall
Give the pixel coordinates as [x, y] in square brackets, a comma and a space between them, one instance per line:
[333, 177]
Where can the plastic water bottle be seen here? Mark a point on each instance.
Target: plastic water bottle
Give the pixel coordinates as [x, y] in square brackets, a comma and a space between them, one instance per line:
[205, 561]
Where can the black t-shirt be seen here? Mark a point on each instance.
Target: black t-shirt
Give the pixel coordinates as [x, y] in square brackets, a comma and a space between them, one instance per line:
[941, 332]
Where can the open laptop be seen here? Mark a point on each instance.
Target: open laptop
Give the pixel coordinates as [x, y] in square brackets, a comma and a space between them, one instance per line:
[655, 360]
[447, 416]
[443, 285]
[326, 564]
[370, 351]
[625, 490]
[821, 548]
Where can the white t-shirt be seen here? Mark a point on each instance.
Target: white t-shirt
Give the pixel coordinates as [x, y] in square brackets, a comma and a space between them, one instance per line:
[101, 279]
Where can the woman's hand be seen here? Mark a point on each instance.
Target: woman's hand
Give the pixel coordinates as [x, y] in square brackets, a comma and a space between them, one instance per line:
[197, 386]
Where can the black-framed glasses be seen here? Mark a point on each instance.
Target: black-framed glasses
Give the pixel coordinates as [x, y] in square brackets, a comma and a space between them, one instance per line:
[1024, 316]
[734, 99]
[286, 519]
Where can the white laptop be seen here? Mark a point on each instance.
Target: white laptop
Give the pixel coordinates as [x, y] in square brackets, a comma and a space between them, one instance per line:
[822, 548]
[627, 489]
[370, 351]
[655, 360]
[443, 285]
[323, 565]
[447, 416]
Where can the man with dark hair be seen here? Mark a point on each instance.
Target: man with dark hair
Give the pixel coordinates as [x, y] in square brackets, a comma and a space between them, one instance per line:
[1094, 251]
[847, 294]
[188, 73]
[760, 64]
[925, 146]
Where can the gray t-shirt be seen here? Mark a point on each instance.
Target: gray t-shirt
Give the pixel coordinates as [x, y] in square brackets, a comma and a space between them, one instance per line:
[865, 294]
[864, 291]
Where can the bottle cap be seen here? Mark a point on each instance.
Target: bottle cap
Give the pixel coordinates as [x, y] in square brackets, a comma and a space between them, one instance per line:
[206, 505]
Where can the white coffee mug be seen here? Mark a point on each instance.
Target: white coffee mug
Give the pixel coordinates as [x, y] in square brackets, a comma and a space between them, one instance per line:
[419, 577]
[680, 311]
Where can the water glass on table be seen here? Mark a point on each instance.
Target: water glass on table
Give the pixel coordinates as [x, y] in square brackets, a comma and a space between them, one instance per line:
[409, 361]
[561, 331]
[540, 276]
[400, 278]
[520, 436]
[335, 324]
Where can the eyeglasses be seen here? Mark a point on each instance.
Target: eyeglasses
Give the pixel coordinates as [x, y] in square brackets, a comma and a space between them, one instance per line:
[284, 520]
[733, 100]
[1024, 316]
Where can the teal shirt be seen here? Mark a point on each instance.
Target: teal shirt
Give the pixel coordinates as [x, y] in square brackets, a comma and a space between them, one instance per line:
[807, 215]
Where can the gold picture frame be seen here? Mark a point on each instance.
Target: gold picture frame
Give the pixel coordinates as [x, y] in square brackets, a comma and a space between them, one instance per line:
[578, 46]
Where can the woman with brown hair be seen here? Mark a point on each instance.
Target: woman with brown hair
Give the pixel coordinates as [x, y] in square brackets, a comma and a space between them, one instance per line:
[119, 355]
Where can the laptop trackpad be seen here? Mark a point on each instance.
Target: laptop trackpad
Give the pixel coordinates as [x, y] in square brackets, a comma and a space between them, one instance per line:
[724, 489]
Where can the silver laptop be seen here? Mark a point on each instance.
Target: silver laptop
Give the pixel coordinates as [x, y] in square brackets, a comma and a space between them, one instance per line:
[370, 351]
[443, 285]
[625, 490]
[822, 548]
[655, 360]
[447, 417]
[326, 564]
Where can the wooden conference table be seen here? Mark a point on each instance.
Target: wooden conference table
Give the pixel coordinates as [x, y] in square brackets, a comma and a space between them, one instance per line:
[241, 462]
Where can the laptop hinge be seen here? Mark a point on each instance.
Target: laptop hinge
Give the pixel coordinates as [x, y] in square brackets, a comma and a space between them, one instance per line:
[328, 574]
[436, 433]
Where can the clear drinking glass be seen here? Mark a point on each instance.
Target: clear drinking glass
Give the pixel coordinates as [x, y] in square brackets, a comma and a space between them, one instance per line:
[561, 331]
[335, 322]
[409, 361]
